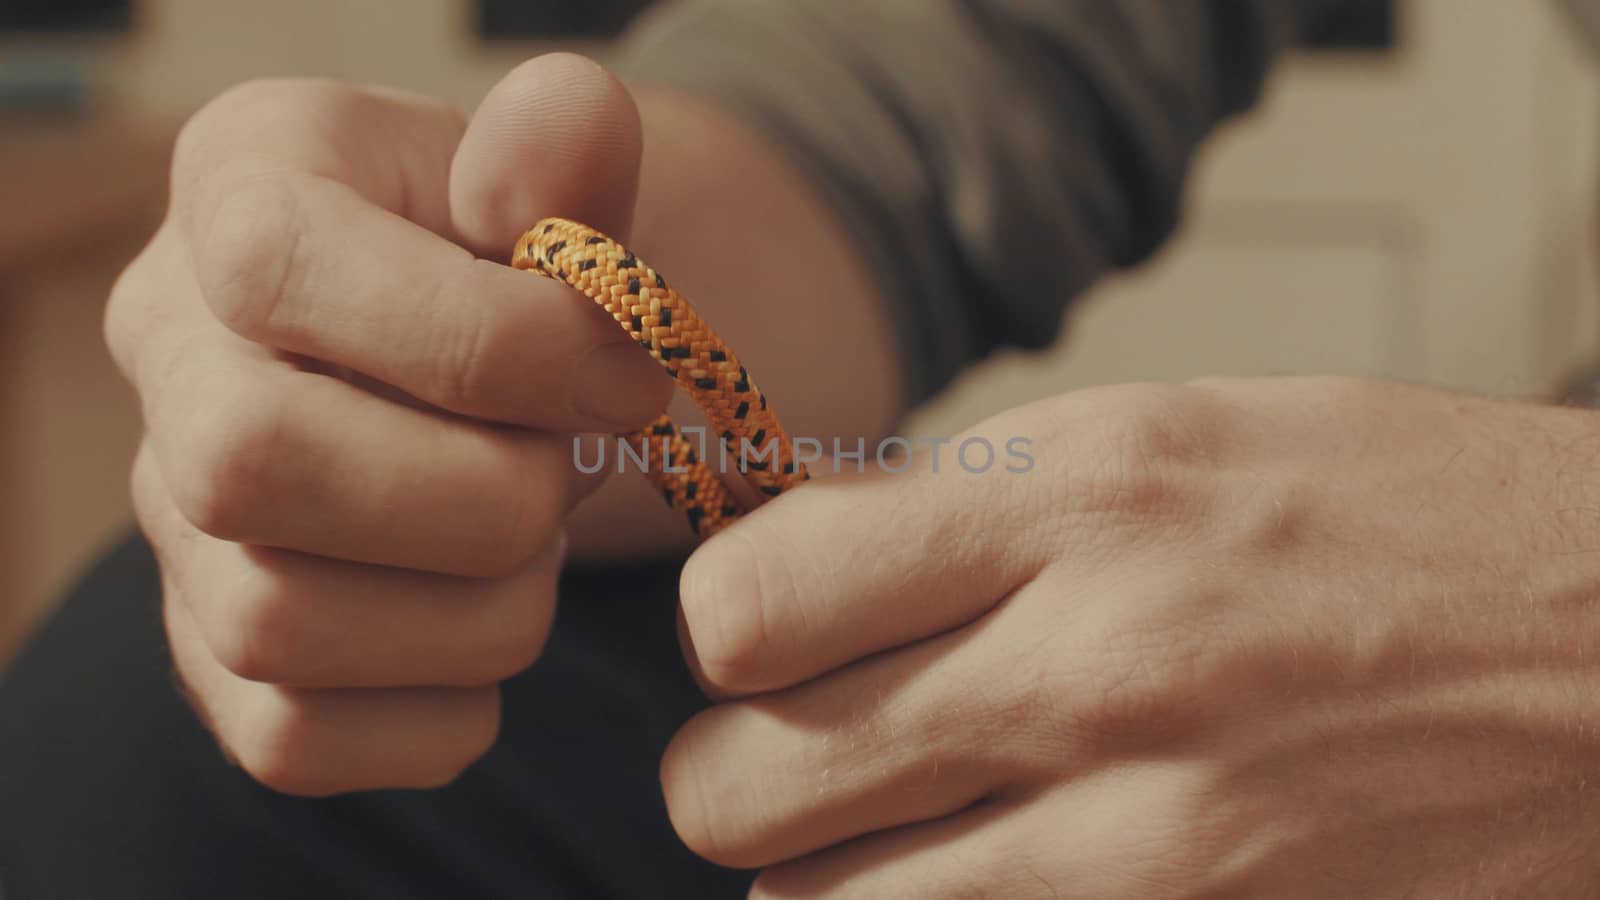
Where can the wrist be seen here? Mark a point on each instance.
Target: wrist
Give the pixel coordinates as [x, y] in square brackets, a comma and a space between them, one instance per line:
[741, 234]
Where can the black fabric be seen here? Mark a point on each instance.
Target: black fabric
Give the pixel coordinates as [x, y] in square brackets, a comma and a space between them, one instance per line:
[109, 788]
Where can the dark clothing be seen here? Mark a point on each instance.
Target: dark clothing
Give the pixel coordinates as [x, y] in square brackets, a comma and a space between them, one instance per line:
[993, 157]
[110, 788]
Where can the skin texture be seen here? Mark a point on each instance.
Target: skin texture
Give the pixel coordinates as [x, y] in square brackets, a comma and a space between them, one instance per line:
[360, 421]
[1287, 638]
[1305, 638]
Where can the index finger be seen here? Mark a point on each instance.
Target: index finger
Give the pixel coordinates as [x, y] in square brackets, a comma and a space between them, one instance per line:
[388, 146]
[846, 568]
[316, 220]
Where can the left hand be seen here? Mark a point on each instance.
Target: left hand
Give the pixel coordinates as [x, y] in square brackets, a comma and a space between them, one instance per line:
[1289, 638]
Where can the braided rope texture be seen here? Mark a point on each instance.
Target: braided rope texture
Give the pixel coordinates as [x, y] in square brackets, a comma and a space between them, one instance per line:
[663, 323]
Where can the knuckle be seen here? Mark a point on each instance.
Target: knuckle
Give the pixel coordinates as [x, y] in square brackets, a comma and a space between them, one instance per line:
[247, 258]
[244, 98]
[145, 487]
[215, 120]
[474, 727]
[519, 644]
[117, 325]
[466, 375]
[125, 318]
[285, 772]
[506, 659]
[279, 772]
[693, 800]
[289, 742]
[1272, 516]
[226, 473]
[1119, 478]
[262, 636]
[280, 750]
[1151, 422]
[512, 527]
[1140, 439]
[506, 543]
[472, 741]
[243, 110]
[728, 597]
[244, 217]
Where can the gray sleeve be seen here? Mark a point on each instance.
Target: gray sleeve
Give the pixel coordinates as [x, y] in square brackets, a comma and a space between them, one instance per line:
[991, 157]
[1586, 16]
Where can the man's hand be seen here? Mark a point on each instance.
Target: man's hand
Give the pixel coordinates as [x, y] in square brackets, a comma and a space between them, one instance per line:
[358, 457]
[1301, 638]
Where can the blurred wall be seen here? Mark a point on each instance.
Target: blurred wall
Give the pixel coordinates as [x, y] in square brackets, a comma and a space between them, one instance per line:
[1424, 215]
[81, 197]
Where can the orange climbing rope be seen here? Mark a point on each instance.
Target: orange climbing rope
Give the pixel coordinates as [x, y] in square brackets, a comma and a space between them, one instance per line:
[637, 296]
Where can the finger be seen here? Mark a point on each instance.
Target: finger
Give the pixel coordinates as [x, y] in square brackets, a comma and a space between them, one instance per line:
[1116, 834]
[148, 306]
[300, 239]
[558, 136]
[850, 567]
[304, 264]
[292, 619]
[321, 742]
[889, 741]
[954, 857]
[389, 146]
[259, 452]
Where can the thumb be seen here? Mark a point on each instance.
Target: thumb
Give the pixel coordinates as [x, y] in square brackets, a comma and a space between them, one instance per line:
[558, 136]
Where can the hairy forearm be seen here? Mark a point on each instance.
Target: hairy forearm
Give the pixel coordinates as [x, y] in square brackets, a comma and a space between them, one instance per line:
[755, 249]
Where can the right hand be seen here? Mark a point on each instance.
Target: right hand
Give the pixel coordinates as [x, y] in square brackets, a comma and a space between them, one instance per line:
[358, 457]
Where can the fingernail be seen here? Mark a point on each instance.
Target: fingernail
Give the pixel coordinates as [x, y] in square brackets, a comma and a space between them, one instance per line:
[620, 384]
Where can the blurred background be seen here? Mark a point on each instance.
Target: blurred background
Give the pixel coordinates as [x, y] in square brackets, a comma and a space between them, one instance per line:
[1414, 198]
